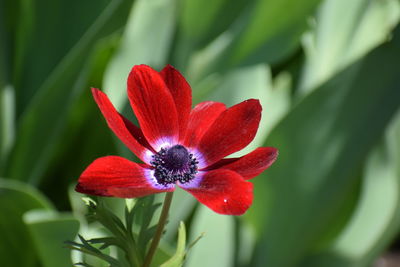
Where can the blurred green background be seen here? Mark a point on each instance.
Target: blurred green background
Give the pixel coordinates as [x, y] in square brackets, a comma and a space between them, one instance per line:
[326, 72]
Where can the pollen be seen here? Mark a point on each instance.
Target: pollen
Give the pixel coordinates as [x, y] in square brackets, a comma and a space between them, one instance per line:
[174, 164]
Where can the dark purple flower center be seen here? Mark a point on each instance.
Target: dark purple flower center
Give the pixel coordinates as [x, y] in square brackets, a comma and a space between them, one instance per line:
[174, 164]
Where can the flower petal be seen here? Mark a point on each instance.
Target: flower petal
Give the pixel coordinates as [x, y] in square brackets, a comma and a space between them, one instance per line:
[250, 165]
[114, 176]
[181, 93]
[153, 105]
[223, 191]
[200, 120]
[233, 130]
[126, 131]
[137, 133]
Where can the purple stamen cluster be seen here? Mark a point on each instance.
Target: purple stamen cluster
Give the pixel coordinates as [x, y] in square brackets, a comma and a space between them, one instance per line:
[174, 164]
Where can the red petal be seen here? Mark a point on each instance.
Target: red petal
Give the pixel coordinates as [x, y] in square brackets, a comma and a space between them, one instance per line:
[153, 105]
[181, 93]
[223, 191]
[233, 130]
[250, 165]
[136, 132]
[200, 120]
[114, 176]
[127, 132]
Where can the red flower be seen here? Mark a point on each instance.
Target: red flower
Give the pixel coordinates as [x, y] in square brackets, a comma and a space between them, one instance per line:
[179, 145]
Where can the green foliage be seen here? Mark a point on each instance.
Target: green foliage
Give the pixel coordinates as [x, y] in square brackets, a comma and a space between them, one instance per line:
[326, 73]
[49, 230]
[131, 236]
[178, 259]
[375, 219]
[16, 199]
[337, 139]
[280, 33]
[344, 32]
[38, 231]
[58, 89]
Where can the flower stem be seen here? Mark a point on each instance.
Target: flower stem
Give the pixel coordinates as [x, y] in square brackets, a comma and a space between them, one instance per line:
[160, 228]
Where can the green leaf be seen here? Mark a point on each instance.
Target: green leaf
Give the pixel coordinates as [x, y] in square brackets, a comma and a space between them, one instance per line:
[8, 22]
[268, 35]
[323, 142]
[214, 17]
[94, 247]
[91, 232]
[44, 119]
[49, 231]
[16, 199]
[7, 124]
[100, 212]
[8, 25]
[216, 247]
[146, 40]
[45, 36]
[88, 249]
[376, 219]
[345, 31]
[177, 259]
[144, 211]
[202, 21]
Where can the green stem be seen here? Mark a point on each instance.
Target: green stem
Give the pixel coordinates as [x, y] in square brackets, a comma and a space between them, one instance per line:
[236, 227]
[132, 254]
[160, 228]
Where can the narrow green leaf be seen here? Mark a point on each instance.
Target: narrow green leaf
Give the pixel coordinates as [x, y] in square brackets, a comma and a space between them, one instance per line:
[177, 259]
[106, 242]
[129, 214]
[83, 264]
[101, 213]
[7, 124]
[145, 210]
[86, 248]
[49, 231]
[8, 22]
[90, 232]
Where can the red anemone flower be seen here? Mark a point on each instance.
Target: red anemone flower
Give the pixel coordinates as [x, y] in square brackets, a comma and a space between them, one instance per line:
[179, 146]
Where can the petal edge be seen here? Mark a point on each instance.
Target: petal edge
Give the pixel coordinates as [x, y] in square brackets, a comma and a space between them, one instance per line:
[201, 118]
[233, 130]
[223, 191]
[181, 93]
[249, 165]
[153, 105]
[126, 131]
[114, 176]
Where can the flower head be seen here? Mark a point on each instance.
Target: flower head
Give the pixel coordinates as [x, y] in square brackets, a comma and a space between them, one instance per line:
[179, 146]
